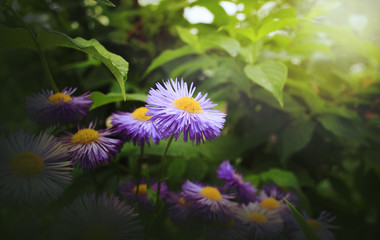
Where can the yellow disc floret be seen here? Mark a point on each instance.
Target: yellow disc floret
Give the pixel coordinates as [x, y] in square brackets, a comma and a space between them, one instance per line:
[58, 98]
[27, 164]
[139, 114]
[257, 217]
[188, 104]
[85, 136]
[270, 203]
[314, 224]
[211, 193]
[142, 189]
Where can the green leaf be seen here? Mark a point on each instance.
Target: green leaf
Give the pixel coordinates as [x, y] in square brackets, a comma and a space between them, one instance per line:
[306, 229]
[187, 36]
[101, 99]
[270, 75]
[196, 169]
[17, 37]
[341, 127]
[295, 137]
[106, 2]
[116, 64]
[253, 179]
[281, 178]
[230, 45]
[177, 168]
[151, 195]
[168, 56]
[276, 24]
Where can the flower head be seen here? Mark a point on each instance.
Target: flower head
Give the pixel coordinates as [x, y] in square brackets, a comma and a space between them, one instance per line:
[90, 218]
[32, 168]
[207, 202]
[89, 147]
[135, 126]
[49, 108]
[320, 225]
[128, 190]
[278, 193]
[233, 179]
[262, 223]
[174, 110]
[179, 207]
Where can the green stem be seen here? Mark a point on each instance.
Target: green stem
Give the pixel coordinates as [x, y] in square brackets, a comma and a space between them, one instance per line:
[138, 171]
[41, 53]
[162, 168]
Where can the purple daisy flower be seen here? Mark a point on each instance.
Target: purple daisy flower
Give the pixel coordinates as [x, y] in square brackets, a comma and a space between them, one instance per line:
[321, 226]
[262, 223]
[128, 190]
[174, 110]
[233, 179]
[207, 202]
[49, 108]
[135, 126]
[278, 193]
[32, 168]
[89, 147]
[179, 208]
[102, 217]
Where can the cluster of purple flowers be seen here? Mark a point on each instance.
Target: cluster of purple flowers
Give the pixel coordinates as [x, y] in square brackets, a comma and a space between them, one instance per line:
[235, 210]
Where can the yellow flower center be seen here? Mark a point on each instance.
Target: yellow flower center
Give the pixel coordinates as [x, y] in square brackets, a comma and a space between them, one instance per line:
[97, 233]
[188, 104]
[85, 136]
[27, 164]
[258, 217]
[142, 189]
[139, 114]
[314, 224]
[270, 203]
[241, 181]
[58, 98]
[211, 193]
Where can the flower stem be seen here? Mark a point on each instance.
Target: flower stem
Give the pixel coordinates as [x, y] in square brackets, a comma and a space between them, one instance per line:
[40, 51]
[162, 168]
[138, 172]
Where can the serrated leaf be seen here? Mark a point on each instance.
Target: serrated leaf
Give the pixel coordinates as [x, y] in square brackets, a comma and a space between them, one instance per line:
[101, 99]
[306, 229]
[168, 56]
[270, 75]
[116, 64]
[17, 37]
[106, 2]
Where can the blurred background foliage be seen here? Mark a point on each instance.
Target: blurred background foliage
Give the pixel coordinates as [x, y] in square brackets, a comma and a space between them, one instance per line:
[299, 80]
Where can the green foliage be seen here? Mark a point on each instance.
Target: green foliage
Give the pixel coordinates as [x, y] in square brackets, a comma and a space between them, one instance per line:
[306, 229]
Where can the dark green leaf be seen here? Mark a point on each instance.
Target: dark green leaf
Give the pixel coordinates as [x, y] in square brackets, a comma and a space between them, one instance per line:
[306, 229]
[106, 2]
[116, 64]
[270, 75]
[101, 99]
[341, 127]
[17, 37]
[177, 168]
[196, 169]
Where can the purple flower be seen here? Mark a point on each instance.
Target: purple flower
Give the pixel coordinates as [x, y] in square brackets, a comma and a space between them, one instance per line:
[278, 193]
[89, 147]
[321, 226]
[49, 108]
[174, 110]
[32, 168]
[179, 208]
[135, 126]
[207, 202]
[128, 190]
[233, 179]
[262, 223]
[102, 217]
